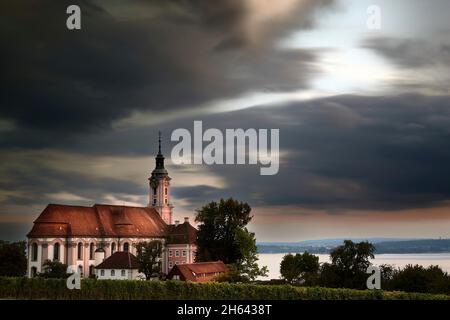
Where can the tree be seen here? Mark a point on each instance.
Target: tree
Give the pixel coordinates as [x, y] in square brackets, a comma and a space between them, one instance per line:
[420, 279]
[148, 255]
[289, 268]
[247, 265]
[54, 269]
[349, 263]
[309, 268]
[13, 260]
[233, 274]
[222, 235]
[303, 267]
[329, 276]
[387, 273]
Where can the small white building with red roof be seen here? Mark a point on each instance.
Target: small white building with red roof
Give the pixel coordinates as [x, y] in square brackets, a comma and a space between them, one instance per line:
[119, 266]
[197, 272]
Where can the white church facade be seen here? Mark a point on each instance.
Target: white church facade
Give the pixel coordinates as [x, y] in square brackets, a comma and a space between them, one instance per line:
[75, 235]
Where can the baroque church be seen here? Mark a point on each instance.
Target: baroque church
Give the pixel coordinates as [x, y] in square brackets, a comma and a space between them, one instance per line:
[86, 236]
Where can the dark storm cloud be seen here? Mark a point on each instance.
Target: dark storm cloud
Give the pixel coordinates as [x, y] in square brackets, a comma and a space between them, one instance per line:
[232, 18]
[411, 53]
[38, 183]
[347, 152]
[14, 231]
[337, 153]
[196, 195]
[136, 56]
[425, 61]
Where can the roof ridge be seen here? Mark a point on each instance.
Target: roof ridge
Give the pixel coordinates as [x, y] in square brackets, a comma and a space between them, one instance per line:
[67, 205]
[203, 262]
[117, 205]
[119, 260]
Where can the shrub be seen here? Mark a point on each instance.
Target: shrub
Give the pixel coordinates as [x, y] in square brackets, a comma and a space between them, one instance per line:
[40, 288]
[419, 279]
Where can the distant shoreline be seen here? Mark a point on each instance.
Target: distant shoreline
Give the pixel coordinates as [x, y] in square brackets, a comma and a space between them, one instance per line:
[376, 253]
[382, 246]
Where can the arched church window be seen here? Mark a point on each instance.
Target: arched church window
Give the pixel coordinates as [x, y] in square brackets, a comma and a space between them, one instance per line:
[126, 247]
[113, 247]
[154, 191]
[34, 252]
[91, 251]
[165, 191]
[80, 251]
[56, 251]
[33, 272]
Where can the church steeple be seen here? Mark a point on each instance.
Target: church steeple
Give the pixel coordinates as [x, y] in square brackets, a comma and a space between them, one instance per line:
[159, 181]
[159, 169]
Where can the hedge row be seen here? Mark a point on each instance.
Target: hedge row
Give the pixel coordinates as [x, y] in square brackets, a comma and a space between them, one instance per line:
[39, 288]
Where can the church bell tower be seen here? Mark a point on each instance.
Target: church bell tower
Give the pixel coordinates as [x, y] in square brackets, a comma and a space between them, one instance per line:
[159, 197]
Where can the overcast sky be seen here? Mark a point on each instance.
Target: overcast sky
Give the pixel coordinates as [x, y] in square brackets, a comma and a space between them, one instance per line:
[364, 115]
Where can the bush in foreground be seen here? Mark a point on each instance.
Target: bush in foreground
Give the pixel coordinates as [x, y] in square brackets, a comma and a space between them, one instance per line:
[39, 288]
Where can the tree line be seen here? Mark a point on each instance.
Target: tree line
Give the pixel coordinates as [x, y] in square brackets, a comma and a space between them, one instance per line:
[347, 269]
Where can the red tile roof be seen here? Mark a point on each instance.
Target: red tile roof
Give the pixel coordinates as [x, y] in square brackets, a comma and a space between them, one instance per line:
[98, 221]
[182, 233]
[119, 260]
[199, 271]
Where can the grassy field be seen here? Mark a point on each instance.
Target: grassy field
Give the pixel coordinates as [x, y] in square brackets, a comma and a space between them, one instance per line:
[39, 288]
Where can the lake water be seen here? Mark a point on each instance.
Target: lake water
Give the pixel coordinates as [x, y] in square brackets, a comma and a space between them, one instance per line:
[272, 261]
